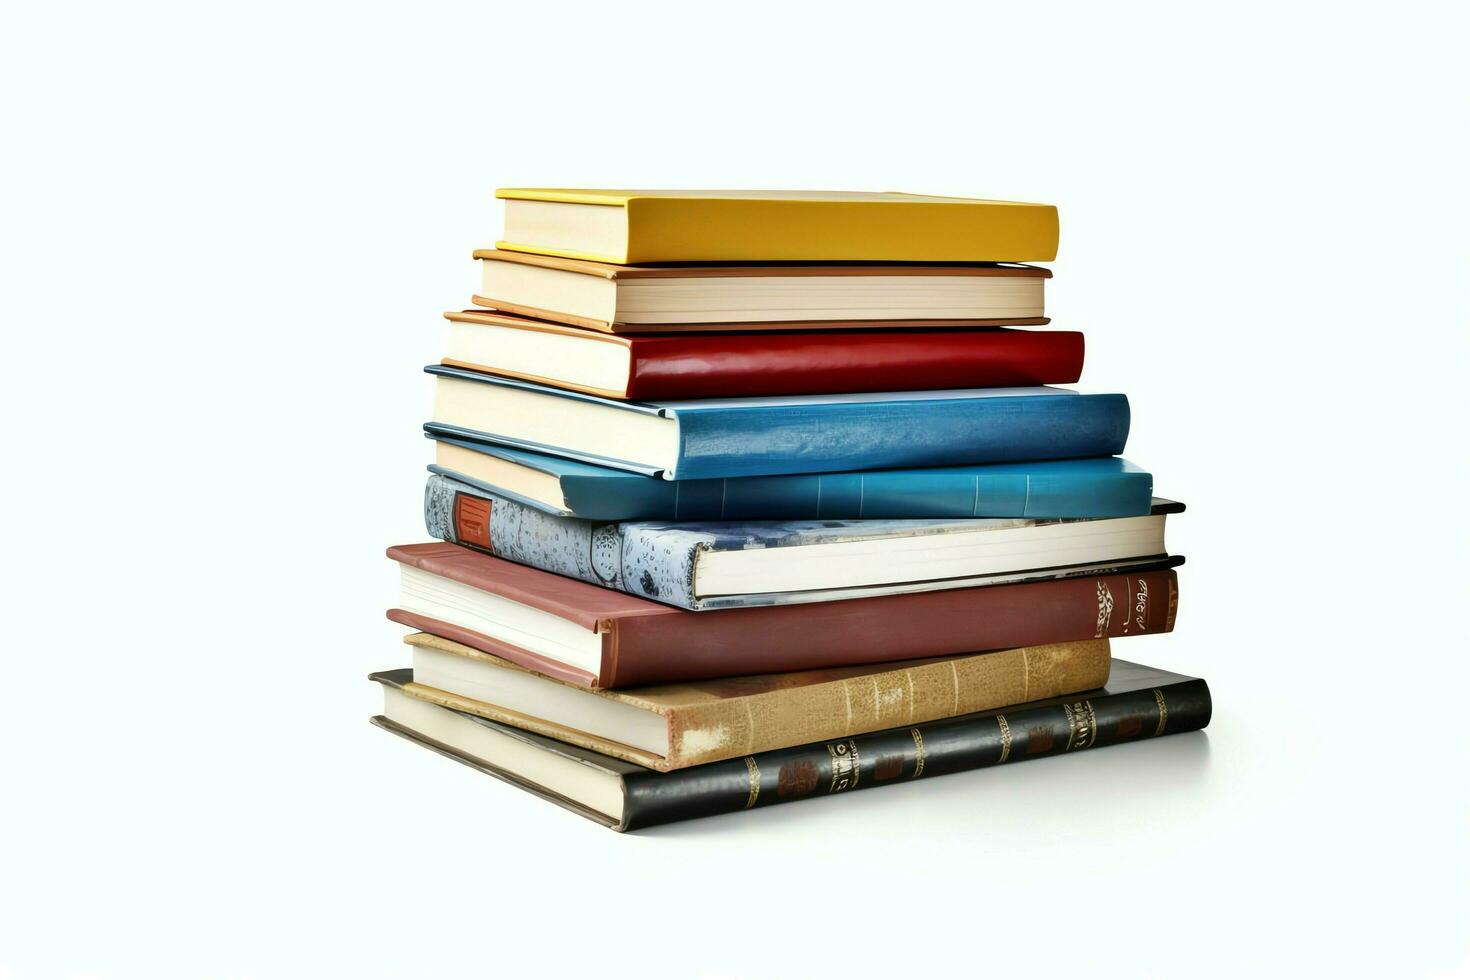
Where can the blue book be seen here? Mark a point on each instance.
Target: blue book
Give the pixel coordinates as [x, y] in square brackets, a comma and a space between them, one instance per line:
[1107, 487]
[717, 438]
[714, 565]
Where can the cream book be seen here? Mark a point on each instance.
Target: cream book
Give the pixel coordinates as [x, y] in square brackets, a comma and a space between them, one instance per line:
[672, 726]
[630, 227]
[805, 296]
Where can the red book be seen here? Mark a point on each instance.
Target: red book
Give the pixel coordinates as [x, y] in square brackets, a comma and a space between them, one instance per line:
[601, 638]
[731, 365]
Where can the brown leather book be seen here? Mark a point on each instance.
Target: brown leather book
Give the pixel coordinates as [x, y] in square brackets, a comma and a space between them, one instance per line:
[602, 638]
[677, 725]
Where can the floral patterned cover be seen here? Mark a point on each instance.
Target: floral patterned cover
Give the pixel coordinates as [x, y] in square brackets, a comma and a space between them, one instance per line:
[656, 559]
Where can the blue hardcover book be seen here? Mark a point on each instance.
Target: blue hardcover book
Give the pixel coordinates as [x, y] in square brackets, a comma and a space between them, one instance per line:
[1107, 487]
[713, 565]
[732, 437]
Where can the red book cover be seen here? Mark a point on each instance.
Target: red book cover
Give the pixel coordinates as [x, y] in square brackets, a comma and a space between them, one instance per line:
[667, 366]
[646, 642]
[734, 365]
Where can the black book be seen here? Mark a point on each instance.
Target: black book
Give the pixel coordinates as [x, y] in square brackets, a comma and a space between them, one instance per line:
[1137, 703]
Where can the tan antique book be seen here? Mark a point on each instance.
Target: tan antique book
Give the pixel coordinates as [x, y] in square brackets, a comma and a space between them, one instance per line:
[794, 296]
[677, 725]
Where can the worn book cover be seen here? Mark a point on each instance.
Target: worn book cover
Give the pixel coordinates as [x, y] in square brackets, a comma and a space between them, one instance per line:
[641, 642]
[1137, 703]
[722, 718]
[663, 560]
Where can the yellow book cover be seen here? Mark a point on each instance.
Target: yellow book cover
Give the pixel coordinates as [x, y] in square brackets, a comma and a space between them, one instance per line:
[633, 226]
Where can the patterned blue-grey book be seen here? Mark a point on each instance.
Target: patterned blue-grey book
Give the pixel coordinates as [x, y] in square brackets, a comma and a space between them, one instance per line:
[720, 564]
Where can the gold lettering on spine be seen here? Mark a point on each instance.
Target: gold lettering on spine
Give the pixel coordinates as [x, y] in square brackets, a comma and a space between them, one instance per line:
[1163, 711]
[755, 782]
[1089, 731]
[1104, 609]
[918, 752]
[1081, 725]
[1005, 739]
[1140, 605]
[844, 765]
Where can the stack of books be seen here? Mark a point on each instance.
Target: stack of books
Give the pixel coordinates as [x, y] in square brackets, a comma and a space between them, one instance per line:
[747, 497]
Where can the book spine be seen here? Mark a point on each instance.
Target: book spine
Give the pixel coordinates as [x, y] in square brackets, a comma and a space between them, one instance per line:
[588, 550]
[880, 495]
[735, 725]
[837, 436]
[902, 755]
[780, 363]
[880, 629]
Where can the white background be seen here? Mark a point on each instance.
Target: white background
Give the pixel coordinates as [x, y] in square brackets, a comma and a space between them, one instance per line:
[229, 231]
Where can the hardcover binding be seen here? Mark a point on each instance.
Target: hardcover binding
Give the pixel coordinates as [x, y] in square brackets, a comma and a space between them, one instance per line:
[645, 642]
[1137, 703]
[734, 365]
[836, 433]
[519, 656]
[728, 717]
[902, 755]
[805, 226]
[1046, 490]
[389, 725]
[657, 560]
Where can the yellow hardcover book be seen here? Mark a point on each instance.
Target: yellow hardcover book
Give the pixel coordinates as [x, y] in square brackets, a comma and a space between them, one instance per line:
[638, 226]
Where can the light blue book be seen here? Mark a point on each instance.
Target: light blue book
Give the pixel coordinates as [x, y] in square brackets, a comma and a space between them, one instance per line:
[718, 438]
[1107, 487]
[714, 565]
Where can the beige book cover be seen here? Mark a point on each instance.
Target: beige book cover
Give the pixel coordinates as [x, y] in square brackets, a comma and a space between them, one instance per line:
[701, 297]
[730, 717]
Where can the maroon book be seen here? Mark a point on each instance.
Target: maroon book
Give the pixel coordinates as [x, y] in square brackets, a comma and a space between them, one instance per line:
[731, 365]
[635, 641]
